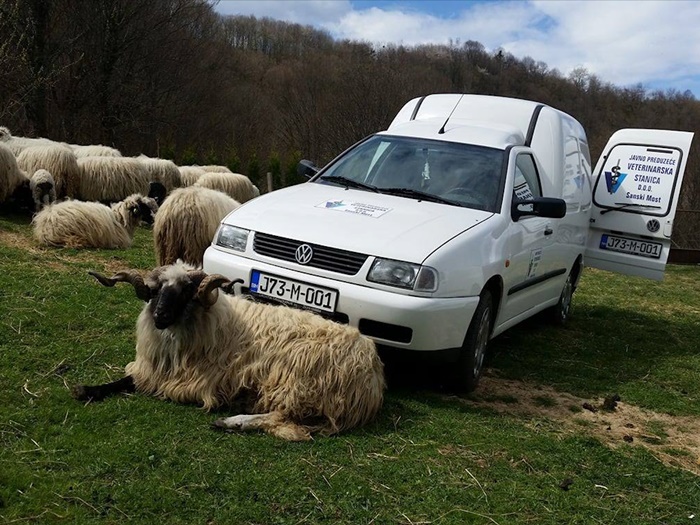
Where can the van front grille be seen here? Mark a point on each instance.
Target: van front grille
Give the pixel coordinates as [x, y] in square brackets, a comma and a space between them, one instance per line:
[325, 258]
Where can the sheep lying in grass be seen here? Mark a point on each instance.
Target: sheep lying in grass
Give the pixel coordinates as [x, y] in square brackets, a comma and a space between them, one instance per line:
[58, 160]
[186, 223]
[43, 189]
[77, 224]
[294, 372]
[235, 185]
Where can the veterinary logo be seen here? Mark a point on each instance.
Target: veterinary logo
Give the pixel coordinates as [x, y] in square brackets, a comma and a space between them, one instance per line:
[613, 178]
[304, 254]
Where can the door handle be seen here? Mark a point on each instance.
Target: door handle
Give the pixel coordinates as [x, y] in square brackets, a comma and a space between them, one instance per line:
[548, 231]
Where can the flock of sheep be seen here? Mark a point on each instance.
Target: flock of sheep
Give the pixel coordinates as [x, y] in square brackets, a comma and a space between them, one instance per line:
[93, 197]
[292, 372]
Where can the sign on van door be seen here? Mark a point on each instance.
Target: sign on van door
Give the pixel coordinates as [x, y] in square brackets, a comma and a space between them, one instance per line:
[637, 183]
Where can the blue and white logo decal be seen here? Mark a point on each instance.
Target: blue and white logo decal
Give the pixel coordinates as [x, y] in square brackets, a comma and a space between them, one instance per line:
[613, 178]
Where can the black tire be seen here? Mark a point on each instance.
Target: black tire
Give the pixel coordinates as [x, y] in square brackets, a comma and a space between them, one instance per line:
[470, 363]
[559, 313]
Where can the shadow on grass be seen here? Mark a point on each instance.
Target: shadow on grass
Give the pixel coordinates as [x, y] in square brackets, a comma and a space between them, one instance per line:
[599, 351]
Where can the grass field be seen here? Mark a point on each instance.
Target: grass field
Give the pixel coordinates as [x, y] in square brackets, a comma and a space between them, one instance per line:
[532, 445]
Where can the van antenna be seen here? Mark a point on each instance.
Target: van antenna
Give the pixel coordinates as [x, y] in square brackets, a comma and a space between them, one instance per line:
[442, 129]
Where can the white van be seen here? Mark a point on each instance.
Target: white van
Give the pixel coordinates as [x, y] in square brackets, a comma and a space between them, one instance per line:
[466, 216]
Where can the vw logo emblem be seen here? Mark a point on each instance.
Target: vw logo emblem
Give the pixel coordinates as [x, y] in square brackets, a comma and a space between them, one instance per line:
[653, 225]
[304, 254]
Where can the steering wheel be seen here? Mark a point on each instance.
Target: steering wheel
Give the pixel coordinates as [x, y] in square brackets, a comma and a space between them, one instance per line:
[468, 195]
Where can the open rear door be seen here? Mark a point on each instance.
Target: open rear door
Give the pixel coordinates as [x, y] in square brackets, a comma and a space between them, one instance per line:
[637, 181]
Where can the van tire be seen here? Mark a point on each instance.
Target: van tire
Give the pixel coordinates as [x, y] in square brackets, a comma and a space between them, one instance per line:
[465, 374]
[559, 313]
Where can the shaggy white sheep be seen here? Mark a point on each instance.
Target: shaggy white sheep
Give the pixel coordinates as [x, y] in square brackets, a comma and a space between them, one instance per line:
[189, 175]
[18, 144]
[94, 150]
[11, 177]
[235, 185]
[161, 170]
[111, 179]
[43, 189]
[78, 224]
[213, 168]
[58, 160]
[294, 372]
[186, 223]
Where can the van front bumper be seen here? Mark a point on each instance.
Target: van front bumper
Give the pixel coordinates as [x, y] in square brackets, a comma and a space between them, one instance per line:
[434, 323]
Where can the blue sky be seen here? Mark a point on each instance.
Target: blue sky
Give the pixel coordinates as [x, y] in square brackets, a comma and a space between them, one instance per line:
[625, 42]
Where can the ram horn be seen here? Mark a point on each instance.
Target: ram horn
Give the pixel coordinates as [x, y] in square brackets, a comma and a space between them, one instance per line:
[126, 276]
[208, 291]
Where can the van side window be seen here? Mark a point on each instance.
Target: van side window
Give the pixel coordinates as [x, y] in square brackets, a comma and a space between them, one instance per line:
[527, 183]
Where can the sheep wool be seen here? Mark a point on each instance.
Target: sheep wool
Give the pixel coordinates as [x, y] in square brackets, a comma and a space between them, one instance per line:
[213, 168]
[11, 177]
[43, 189]
[190, 174]
[235, 185]
[111, 179]
[58, 160]
[186, 223]
[292, 372]
[78, 224]
[95, 150]
[163, 171]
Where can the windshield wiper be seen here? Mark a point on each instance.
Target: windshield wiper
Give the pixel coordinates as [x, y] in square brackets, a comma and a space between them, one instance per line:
[418, 195]
[349, 183]
[623, 205]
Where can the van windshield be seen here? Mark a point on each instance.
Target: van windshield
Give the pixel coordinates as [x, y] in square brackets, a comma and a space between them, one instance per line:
[456, 174]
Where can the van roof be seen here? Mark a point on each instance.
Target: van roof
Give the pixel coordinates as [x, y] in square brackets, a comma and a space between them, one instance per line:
[478, 110]
[487, 134]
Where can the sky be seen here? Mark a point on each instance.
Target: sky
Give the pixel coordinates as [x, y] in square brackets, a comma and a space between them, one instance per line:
[624, 42]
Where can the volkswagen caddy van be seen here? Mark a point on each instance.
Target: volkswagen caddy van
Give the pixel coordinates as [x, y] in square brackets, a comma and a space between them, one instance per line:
[467, 215]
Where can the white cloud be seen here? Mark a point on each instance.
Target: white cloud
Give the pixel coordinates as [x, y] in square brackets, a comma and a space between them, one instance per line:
[624, 42]
[309, 12]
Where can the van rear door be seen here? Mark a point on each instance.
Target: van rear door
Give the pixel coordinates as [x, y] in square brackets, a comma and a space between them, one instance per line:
[636, 184]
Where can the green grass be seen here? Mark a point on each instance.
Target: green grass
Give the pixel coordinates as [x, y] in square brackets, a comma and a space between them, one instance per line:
[428, 458]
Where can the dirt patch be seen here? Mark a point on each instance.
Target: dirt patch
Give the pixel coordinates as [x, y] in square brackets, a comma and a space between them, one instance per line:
[16, 240]
[673, 440]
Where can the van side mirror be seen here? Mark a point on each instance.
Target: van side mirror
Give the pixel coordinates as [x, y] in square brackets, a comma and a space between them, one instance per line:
[306, 168]
[538, 207]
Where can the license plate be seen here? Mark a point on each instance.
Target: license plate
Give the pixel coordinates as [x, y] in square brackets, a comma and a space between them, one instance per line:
[297, 292]
[631, 246]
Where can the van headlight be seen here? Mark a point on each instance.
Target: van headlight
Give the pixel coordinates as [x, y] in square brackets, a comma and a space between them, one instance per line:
[232, 237]
[403, 275]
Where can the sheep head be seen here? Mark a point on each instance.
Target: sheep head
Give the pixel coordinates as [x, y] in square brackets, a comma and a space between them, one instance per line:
[173, 292]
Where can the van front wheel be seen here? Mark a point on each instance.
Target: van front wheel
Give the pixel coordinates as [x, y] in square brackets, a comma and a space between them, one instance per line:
[559, 313]
[470, 363]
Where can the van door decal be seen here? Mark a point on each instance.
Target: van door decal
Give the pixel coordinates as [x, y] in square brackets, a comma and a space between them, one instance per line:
[638, 179]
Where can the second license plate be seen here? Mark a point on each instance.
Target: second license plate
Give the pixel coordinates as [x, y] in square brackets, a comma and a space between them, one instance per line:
[631, 246]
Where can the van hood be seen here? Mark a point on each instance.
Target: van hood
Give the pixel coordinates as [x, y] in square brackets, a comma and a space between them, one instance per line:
[354, 220]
